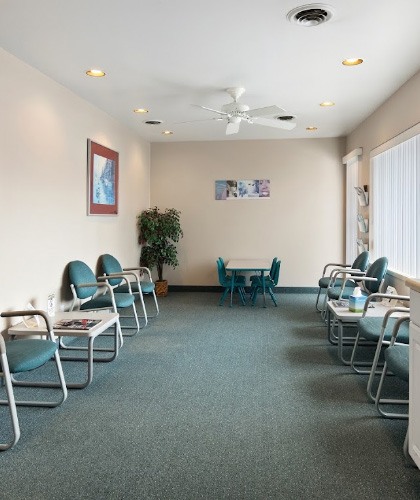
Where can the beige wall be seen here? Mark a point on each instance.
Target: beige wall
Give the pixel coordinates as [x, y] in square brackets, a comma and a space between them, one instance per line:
[302, 222]
[400, 112]
[43, 142]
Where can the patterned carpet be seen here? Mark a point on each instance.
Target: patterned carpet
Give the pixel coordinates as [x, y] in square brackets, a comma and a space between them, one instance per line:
[212, 402]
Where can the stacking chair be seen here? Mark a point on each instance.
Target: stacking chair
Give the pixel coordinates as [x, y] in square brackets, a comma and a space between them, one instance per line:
[240, 278]
[117, 276]
[331, 269]
[256, 278]
[370, 281]
[397, 361]
[397, 358]
[378, 331]
[19, 356]
[226, 282]
[271, 282]
[85, 287]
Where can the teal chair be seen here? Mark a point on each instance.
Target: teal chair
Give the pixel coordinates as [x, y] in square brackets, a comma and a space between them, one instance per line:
[117, 276]
[26, 355]
[370, 282]
[239, 278]
[396, 362]
[271, 282]
[331, 269]
[256, 278]
[226, 282]
[85, 289]
[378, 331]
[397, 359]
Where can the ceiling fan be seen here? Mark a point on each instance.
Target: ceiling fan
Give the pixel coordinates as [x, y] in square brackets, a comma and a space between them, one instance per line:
[235, 112]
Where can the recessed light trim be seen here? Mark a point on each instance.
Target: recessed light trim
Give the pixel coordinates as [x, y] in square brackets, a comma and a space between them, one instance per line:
[327, 104]
[140, 110]
[311, 129]
[352, 61]
[167, 132]
[153, 122]
[96, 73]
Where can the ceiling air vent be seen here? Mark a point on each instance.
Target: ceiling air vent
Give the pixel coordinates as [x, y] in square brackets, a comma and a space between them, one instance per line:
[310, 15]
[153, 122]
[285, 118]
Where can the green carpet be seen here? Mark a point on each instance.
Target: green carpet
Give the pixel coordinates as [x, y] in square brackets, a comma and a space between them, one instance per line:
[212, 402]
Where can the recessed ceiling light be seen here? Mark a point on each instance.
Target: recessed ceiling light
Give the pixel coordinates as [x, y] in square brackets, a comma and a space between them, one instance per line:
[167, 132]
[153, 122]
[140, 110]
[352, 62]
[95, 72]
[327, 104]
[311, 129]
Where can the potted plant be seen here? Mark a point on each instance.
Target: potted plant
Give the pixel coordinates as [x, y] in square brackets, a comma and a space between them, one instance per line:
[158, 231]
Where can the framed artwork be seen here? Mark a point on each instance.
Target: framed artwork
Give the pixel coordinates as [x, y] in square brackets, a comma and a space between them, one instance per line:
[102, 180]
[242, 189]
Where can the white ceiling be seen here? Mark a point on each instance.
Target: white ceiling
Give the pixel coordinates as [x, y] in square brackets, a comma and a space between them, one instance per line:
[166, 55]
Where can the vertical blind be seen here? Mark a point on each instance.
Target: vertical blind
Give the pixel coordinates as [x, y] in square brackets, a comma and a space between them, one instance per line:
[396, 206]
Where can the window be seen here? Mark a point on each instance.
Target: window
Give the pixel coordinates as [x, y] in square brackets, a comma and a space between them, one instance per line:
[352, 180]
[395, 201]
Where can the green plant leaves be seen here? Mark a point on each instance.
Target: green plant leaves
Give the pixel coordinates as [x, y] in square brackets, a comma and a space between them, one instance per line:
[158, 231]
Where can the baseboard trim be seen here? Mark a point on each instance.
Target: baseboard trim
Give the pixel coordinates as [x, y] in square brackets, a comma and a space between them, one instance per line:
[218, 289]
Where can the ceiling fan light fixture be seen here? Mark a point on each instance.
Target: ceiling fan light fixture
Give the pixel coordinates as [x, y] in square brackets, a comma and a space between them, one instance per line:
[310, 15]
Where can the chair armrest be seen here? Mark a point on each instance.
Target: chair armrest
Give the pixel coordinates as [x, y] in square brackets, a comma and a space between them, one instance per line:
[330, 264]
[90, 285]
[396, 329]
[379, 295]
[348, 275]
[140, 268]
[98, 284]
[115, 275]
[122, 275]
[32, 312]
[342, 270]
[350, 272]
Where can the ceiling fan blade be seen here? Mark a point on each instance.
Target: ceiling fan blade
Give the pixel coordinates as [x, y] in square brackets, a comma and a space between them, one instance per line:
[269, 110]
[210, 109]
[218, 119]
[232, 128]
[285, 125]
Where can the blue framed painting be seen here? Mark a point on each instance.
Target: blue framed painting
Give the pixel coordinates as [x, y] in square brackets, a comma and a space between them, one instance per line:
[103, 176]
